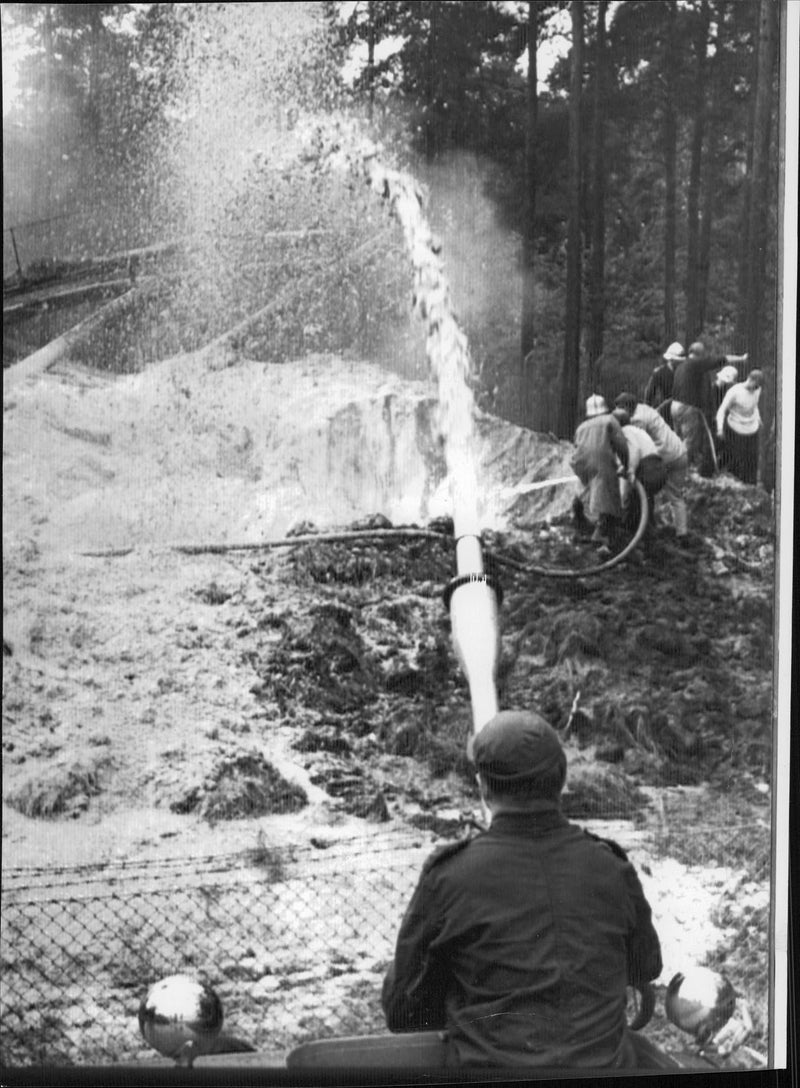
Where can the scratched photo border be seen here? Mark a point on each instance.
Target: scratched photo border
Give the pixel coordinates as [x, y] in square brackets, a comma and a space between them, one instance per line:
[785, 704]
[782, 1013]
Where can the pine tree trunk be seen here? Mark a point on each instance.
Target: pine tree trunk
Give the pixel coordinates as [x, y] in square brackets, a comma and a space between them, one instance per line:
[709, 188]
[704, 240]
[532, 406]
[754, 253]
[754, 257]
[694, 321]
[371, 58]
[597, 267]
[747, 196]
[670, 135]
[568, 399]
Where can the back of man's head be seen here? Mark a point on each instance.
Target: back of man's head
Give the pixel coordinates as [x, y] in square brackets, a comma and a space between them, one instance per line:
[627, 402]
[518, 754]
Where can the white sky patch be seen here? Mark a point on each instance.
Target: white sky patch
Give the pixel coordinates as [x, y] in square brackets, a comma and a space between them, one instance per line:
[357, 60]
[345, 10]
[126, 23]
[556, 45]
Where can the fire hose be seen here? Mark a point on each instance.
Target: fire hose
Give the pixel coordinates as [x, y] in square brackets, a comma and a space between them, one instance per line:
[556, 572]
[706, 429]
[345, 536]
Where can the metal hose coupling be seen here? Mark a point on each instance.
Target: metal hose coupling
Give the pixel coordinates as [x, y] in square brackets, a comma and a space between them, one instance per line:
[481, 578]
[469, 554]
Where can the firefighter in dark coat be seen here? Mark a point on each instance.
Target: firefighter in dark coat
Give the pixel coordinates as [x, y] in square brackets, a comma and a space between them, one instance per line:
[691, 391]
[658, 391]
[600, 447]
[520, 942]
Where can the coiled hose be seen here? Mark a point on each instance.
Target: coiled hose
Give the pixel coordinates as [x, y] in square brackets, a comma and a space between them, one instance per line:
[553, 572]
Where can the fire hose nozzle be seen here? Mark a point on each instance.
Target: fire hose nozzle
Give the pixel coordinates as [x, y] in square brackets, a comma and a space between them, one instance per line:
[473, 601]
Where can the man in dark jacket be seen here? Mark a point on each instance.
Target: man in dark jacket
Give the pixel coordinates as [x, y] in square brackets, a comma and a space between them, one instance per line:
[658, 391]
[520, 942]
[690, 394]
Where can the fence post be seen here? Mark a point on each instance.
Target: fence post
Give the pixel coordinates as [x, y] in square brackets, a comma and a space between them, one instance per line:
[16, 253]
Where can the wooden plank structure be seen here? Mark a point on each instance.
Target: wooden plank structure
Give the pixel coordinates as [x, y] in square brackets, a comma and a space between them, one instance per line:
[40, 361]
[60, 295]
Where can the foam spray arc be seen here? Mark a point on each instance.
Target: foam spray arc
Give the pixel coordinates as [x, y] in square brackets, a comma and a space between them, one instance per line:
[472, 596]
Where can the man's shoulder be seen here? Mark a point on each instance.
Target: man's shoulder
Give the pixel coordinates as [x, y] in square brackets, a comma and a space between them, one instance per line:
[635, 434]
[608, 844]
[586, 425]
[447, 851]
[649, 419]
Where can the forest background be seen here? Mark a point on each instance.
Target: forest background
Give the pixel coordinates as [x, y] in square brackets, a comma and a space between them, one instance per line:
[605, 177]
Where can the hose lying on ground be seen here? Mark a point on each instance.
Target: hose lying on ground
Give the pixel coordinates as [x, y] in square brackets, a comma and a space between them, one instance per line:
[394, 534]
[553, 572]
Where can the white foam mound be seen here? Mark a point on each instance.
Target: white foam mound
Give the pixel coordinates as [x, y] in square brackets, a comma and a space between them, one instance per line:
[182, 453]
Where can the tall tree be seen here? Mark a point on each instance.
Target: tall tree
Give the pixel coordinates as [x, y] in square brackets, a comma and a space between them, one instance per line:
[598, 218]
[694, 313]
[370, 74]
[697, 305]
[450, 64]
[754, 248]
[570, 369]
[433, 96]
[529, 226]
[722, 138]
[751, 325]
[670, 138]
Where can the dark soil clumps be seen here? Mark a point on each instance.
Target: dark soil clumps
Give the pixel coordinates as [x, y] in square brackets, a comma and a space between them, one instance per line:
[661, 671]
[241, 786]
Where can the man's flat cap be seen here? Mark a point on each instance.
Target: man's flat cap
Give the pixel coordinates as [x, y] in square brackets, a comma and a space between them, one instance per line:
[519, 744]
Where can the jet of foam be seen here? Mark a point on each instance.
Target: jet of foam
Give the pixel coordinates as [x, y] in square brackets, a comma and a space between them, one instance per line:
[245, 66]
[446, 346]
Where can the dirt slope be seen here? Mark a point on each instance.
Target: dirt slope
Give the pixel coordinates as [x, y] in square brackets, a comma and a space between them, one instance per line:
[128, 670]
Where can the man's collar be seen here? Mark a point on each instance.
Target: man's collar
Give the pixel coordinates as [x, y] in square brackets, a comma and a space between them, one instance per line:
[541, 814]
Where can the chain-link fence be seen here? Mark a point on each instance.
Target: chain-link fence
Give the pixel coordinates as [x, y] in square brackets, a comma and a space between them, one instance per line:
[295, 941]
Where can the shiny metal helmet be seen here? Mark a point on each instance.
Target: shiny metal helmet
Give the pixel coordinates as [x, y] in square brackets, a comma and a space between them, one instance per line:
[180, 1018]
[700, 1001]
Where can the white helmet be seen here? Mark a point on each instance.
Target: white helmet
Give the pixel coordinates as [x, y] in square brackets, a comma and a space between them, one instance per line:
[596, 406]
[727, 375]
[675, 353]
